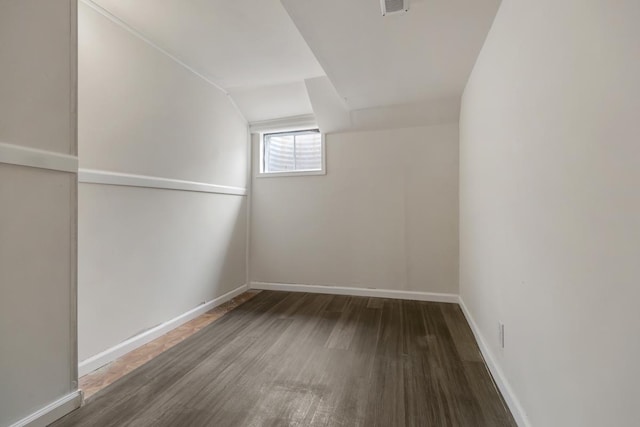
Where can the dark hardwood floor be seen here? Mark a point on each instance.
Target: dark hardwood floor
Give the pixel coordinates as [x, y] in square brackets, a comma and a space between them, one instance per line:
[298, 359]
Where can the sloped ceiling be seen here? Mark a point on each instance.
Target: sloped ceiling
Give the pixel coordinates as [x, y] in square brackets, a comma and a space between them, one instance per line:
[373, 61]
[238, 43]
[398, 70]
[272, 102]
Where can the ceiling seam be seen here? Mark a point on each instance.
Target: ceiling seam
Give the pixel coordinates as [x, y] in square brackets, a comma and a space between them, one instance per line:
[116, 20]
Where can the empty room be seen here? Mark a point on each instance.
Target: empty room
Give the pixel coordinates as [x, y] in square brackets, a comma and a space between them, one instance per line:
[319, 213]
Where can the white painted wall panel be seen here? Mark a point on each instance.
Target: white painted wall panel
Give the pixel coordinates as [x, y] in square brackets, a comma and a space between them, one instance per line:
[550, 207]
[143, 113]
[148, 255]
[384, 216]
[37, 268]
[37, 207]
[38, 75]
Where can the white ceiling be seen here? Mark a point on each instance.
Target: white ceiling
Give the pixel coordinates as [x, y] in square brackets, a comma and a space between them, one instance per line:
[235, 43]
[426, 53]
[271, 102]
[398, 70]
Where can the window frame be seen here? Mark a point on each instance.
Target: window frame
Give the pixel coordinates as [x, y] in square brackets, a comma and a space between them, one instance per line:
[308, 172]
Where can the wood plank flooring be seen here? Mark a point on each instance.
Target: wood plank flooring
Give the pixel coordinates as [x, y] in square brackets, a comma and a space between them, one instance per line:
[108, 374]
[294, 359]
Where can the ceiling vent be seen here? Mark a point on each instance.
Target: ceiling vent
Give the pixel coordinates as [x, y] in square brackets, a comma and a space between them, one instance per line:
[394, 6]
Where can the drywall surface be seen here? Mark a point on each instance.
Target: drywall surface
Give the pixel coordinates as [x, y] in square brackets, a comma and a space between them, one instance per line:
[143, 113]
[36, 82]
[37, 268]
[384, 216]
[149, 255]
[37, 207]
[550, 207]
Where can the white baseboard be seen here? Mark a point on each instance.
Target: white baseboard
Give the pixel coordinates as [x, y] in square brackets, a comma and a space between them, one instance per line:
[53, 411]
[360, 292]
[111, 354]
[498, 375]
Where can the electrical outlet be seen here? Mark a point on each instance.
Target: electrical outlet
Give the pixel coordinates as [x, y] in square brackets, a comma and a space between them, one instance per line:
[501, 334]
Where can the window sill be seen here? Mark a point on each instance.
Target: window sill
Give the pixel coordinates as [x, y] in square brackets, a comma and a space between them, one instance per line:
[290, 174]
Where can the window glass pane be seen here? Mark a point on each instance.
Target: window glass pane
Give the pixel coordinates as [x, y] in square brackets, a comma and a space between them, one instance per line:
[278, 153]
[292, 151]
[308, 152]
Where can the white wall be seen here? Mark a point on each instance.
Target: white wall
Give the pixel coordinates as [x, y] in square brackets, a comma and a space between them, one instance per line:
[149, 255]
[384, 216]
[37, 207]
[550, 207]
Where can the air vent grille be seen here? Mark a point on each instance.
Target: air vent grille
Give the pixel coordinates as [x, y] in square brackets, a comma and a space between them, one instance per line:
[394, 6]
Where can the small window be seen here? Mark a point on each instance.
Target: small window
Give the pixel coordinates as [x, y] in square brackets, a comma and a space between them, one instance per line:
[292, 153]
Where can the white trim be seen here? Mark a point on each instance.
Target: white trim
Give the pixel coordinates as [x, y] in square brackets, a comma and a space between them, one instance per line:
[306, 121]
[92, 176]
[113, 18]
[111, 354]
[311, 172]
[53, 411]
[35, 158]
[73, 125]
[249, 172]
[360, 292]
[498, 375]
[296, 173]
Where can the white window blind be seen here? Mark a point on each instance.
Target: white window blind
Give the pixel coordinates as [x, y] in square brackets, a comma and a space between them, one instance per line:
[292, 151]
